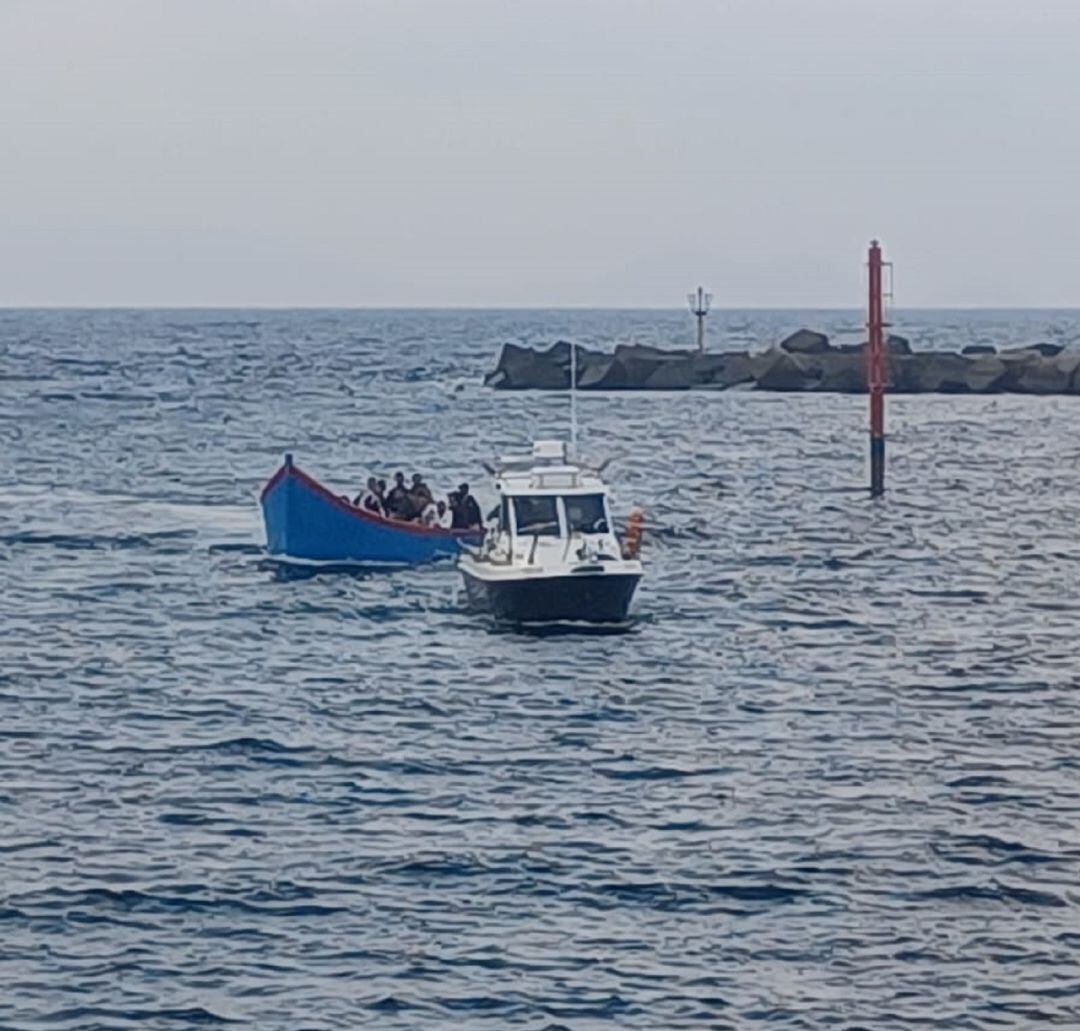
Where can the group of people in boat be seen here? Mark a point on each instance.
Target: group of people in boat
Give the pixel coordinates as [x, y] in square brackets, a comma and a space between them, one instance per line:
[415, 503]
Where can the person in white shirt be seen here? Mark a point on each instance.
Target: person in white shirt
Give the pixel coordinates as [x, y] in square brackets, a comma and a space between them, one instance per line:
[437, 514]
[369, 500]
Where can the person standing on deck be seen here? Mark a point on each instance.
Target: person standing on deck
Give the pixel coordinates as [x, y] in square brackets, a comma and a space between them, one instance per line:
[466, 511]
[398, 503]
[420, 494]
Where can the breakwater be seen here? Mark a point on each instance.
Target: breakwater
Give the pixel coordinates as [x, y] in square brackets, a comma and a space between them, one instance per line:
[805, 361]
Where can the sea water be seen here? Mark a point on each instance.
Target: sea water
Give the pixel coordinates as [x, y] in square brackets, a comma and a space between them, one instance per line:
[829, 778]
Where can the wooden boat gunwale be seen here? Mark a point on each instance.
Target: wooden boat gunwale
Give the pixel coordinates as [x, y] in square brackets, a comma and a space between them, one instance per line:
[289, 468]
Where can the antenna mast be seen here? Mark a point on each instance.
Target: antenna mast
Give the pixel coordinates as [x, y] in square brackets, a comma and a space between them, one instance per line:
[573, 398]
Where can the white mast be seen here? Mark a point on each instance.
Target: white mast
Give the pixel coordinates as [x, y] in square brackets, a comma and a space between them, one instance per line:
[573, 399]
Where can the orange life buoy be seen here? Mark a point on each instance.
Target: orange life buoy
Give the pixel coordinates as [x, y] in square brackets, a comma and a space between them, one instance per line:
[632, 540]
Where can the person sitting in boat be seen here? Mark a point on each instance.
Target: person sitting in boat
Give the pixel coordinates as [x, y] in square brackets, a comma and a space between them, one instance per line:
[369, 501]
[437, 514]
[466, 512]
[420, 494]
[398, 503]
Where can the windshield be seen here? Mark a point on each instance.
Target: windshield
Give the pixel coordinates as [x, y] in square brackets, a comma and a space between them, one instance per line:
[536, 516]
[585, 513]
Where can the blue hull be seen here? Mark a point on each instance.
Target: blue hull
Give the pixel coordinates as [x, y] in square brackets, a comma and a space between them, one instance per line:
[306, 521]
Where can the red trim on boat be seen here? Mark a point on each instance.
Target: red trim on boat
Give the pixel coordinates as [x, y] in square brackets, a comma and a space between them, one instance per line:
[359, 513]
[273, 482]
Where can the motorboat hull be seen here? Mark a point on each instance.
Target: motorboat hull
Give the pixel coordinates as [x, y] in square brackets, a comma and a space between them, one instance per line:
[585, 597]
[307, 523]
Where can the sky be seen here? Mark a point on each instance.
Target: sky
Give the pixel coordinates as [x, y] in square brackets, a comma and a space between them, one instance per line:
[538, 153]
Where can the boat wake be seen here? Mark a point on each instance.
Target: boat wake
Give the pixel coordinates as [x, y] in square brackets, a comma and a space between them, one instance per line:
[566, 628]
[285, 569]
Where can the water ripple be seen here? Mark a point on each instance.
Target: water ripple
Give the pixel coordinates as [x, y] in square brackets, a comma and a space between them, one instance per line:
[826, 778]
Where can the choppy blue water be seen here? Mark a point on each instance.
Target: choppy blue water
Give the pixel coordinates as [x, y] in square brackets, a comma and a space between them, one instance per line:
[831, 779]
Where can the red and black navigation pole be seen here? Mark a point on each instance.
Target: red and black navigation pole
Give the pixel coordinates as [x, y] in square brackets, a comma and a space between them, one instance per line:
[875, 373]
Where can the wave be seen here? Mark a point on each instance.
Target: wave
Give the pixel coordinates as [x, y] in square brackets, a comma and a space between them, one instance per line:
[94, 542]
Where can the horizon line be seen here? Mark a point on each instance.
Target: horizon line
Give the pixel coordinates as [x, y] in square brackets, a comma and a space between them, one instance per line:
[514, 307]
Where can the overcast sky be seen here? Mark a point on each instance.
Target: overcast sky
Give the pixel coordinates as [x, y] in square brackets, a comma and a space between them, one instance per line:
[538, 152]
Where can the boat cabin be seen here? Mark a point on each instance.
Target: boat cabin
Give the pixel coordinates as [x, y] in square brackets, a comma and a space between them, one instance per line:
[546, 503]
[554, 514]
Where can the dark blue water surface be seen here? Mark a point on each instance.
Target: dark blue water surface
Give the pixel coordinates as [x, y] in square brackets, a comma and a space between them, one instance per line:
[830, 779]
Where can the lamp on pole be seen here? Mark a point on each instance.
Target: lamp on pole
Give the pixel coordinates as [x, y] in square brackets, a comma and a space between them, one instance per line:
[699, 306]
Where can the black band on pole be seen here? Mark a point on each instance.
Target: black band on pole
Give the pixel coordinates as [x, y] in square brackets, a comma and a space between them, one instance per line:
[877, 466]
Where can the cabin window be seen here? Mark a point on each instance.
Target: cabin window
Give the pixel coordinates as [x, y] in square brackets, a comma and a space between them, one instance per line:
[586, 513]
[537, 516]
[504, 514]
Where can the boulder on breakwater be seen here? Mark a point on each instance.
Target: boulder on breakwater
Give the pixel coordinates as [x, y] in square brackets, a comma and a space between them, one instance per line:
[806, 361]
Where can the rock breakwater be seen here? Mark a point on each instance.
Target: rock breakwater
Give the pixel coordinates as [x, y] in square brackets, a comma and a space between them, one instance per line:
[804, 362]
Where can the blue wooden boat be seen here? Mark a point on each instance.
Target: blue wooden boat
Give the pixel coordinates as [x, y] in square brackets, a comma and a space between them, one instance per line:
[305, 522]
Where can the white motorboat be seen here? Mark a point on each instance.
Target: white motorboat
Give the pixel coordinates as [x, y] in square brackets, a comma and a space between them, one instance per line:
[552, 555]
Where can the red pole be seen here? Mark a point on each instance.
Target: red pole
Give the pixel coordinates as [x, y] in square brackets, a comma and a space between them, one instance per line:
[875, 373]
